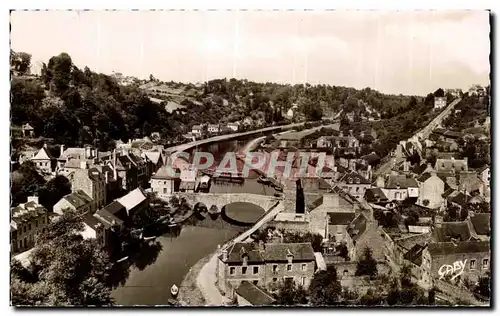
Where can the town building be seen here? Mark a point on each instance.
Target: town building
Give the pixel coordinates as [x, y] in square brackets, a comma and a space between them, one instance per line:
[355, 184]
[233, 126]
[43, 160]
[400, 187]
[77, 201]
[28, 130]
[265, 265]
[485, 175]
[439, 102]
[28, 220]
[188, 180]
[197, 131]
[419, 260]
[134, 202]
[467, 259]
[154, 160]
[213, 128]
[431, 189]
[164, 181]
[92, 182]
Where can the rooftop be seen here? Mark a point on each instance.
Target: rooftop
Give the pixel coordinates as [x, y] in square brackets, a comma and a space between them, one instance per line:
[340, 218]
[132, 199]
[450, 248]
[254, 294]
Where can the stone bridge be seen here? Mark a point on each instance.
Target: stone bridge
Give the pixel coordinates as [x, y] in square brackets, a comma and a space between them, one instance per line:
[220, 200]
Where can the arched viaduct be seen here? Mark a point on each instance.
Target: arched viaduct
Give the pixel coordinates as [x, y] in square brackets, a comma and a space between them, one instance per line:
[220, 200]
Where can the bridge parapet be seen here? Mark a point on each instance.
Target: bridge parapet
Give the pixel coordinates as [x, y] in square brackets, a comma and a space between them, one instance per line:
[222, 199]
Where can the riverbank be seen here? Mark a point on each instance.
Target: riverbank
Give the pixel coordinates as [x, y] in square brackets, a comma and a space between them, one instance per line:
[189, 292]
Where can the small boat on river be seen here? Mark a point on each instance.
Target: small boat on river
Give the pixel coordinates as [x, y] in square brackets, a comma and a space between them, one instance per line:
[122, 259]
[152, 238]
[174, 290]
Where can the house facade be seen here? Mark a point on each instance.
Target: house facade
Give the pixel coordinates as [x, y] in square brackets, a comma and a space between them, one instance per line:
[163, 182]
[265, 265]
[431, 189]
[92, 183]
[43, 160]
[439, 102]
[77, 201]
[28, 220]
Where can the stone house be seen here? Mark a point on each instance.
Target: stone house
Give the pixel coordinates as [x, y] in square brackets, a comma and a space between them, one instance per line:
[355, 184]
[265, 265]
[43, 160]
[126, 172]
[336, 201]
[452, 165]
[234, 126]
[400, 187]
[77, 201]
[164, 182]
[92, 183]
[142, 169]
[113, 187]
[439, 102]
[431, 189]
[28, 220]
[467, 259]
[134, 202]
[419, 260]
[338, 223]
[213, 128]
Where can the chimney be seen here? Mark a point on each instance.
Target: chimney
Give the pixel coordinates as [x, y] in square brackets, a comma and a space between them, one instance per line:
[88, 152]
[106, 176]
[224, 255]
[33, 198]
[83, 164]
[45, 145]
[62, 150]
[114, 165]
[438, 221]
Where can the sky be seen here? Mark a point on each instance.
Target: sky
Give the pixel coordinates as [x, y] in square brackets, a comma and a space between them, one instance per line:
[407, 52]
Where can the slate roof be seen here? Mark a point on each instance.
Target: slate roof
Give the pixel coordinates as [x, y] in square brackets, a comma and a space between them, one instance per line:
[371, 158]
[451, 164]
[460, 199]
[450, 248]
[90, 220]
[415, 254]
[424, 177]
[271, 253]
[254, 294]
[110, 213]
[375, 195]
[26, 211]
[165, 173]
[418, 169]
[357, 227]
[340, 218]
[78, 198]
[451, 230]
[43, 154]
[409, 242]
[154, 156]
[404, 182]
[132, 199]
[481, 223]
[354, 178]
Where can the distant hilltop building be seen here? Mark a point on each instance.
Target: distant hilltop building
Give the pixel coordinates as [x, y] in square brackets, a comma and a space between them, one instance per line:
[439, 102]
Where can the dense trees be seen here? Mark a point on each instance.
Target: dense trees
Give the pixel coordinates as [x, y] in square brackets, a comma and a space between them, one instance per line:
[325, 288]
[288, 293]
[20, 62]
[367, 265]
[64, 269]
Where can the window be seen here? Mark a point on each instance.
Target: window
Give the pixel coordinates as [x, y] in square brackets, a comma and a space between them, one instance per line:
[255, 270]
[304, 267]
[303, 281]
[29, 227]
[357, 189]
[231, 270]
[243, 270]
[485, 263]
[275, 268]
[275, 279]
[288, 267]
[473, 264]
[164, 190]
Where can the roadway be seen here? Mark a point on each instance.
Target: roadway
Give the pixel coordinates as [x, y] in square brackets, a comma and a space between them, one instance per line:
[423, 134]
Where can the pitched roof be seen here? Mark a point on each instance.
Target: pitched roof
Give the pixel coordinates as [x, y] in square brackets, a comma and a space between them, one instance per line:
[132, 199]
[415, 254]
[91, 220]
[375, 195]
[481, 223]
[27, 126]
[357, 227]
[78, 153]
[43, 154]
[409, 242]
[460, 198]
[280, 252]
[450, 248]
[154, 156]
[451, 164]
[108, 214]
[451, 230]
[254, 294]
[371, 158]
[78, 198]
[354, 178]
[236, 252]
[340, 218]
[165, 173]
[418, 169]
[393, 181]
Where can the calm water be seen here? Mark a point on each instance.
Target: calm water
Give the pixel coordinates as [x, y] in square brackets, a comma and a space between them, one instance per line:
[165, 264]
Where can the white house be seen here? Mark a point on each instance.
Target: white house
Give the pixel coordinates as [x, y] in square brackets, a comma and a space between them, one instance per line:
[439, 102]
[234, 126]
[162, 183]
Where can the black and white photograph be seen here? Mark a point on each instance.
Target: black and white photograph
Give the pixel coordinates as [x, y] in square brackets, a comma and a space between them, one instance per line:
[250, 158]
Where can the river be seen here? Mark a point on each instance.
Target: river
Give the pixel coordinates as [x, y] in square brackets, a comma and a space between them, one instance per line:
[174, 254]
